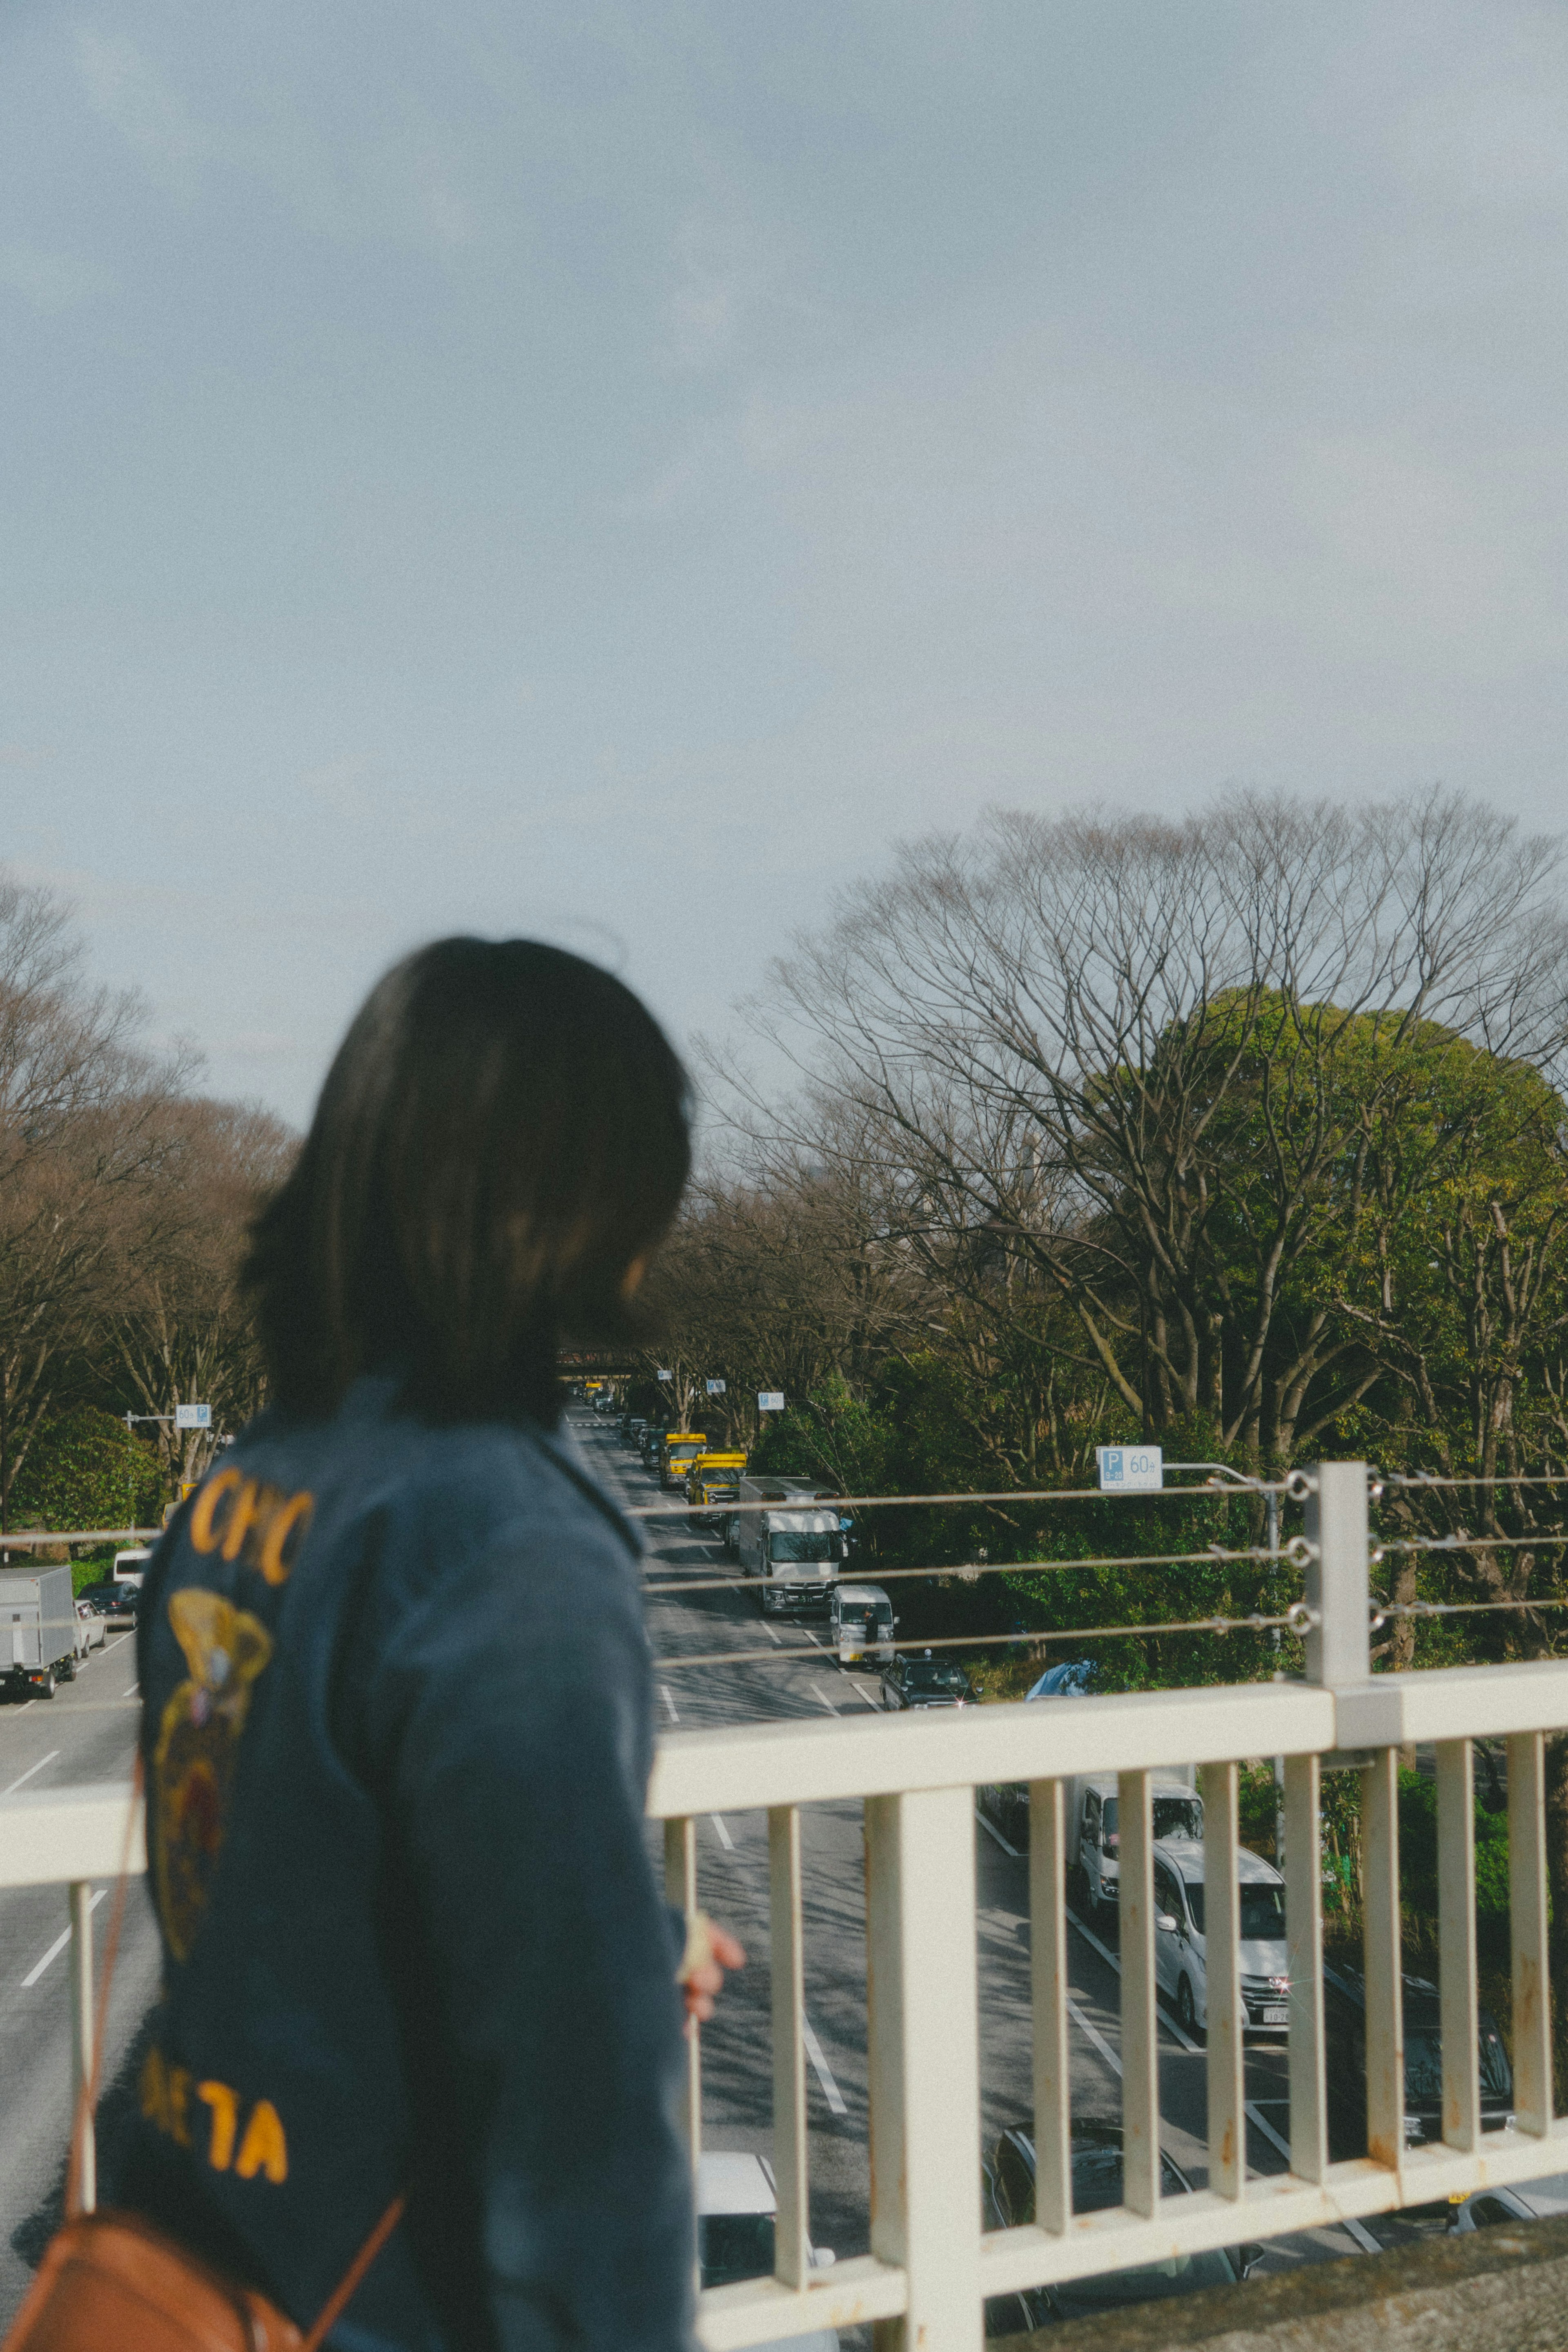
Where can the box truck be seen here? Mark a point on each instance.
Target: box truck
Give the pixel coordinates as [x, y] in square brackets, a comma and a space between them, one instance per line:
[37, 1630]
[797, 1550]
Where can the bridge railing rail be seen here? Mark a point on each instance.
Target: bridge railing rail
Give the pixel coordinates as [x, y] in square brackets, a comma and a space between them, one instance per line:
[931, 2263]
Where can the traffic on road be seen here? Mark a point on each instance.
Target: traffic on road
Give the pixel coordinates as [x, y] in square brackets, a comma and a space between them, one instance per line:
[828, 1626]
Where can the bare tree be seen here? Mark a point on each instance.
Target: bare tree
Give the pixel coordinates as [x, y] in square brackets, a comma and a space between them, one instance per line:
[180, 1326]
[1146, 1062]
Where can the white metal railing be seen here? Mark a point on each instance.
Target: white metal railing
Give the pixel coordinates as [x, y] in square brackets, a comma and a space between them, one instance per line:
[931, 2265]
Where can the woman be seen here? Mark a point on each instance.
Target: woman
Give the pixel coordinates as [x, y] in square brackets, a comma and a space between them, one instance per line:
[397, 1722]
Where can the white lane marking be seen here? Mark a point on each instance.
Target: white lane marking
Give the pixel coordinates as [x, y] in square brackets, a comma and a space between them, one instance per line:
[722, 1826]
[132, 1692]
[991, 1831]
[861, 1693]
[57, 1947]
[30, 1770]
[1093, 2034]
[819, 1693]
[1361, 2237]
[830, 2090]
[771, 1634]
[669, 1702]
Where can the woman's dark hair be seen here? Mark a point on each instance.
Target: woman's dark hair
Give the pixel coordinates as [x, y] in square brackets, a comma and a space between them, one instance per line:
[503, 1133]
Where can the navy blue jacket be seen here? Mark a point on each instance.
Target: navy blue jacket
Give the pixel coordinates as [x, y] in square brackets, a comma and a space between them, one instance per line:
[397, 1729]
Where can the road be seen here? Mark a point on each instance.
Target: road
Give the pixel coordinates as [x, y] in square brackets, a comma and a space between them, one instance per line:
[87, 1732]
[804, 1681]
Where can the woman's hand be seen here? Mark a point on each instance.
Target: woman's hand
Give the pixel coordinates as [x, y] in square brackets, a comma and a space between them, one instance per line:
[710, 1950]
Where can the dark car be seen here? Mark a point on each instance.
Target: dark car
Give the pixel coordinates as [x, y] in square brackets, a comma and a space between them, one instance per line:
[1345, 2035]
[925, 1681]
[1007, 2197]
[115, 1603]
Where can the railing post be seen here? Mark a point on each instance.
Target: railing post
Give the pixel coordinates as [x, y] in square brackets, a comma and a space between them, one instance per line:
[1048, 1955]
[1532, 1948]
[1458, 1991]
[1305, 1944]
[681, 1894]
[1222, 1969]
[81, 2034]
[1140, 2037]
[1381, 1945]
[792, 2263]
[1339, 1646]
[923, 2063]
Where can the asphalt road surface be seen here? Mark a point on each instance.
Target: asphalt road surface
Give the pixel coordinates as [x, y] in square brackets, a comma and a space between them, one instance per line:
[87, 1732]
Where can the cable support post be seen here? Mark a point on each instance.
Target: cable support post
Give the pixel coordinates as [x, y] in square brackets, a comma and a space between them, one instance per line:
[1339, 1645]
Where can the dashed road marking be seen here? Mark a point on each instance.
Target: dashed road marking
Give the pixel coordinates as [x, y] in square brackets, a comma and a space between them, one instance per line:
[669, 1702]
[57, 1947]
[722, 1826]
[30, 1770]
[831, 2091]
[991, 1831]
[822, 1699]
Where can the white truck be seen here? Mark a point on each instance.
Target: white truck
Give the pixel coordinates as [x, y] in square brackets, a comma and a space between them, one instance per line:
[1091, 1821]
[39, 1635]
[796, 1549]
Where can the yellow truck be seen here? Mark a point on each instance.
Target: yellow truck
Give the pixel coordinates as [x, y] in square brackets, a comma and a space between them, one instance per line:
[679, 1450]
[713, 1480]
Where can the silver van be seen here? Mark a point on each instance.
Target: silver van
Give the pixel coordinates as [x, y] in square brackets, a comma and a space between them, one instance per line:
[1180, 1965]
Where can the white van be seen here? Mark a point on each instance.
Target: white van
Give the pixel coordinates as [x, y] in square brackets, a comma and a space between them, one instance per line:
[130, 1567]
[1093, 1836]
[861, 1622]
[1180, 1968]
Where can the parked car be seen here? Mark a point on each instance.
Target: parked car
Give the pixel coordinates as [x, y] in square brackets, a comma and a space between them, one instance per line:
[1007, 2203]
[1345, 2035]
[115, 1603]
[1486, 2208]
[923, 1682]
[736, 2206]
[92, 1630]
[1181, 1966]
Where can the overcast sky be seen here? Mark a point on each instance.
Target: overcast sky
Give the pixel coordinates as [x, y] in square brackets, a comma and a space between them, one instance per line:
[605, 472]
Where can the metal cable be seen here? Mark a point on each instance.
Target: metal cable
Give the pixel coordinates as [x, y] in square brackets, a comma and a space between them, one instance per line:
[1293, 1489]
[1297, 1619]
[1472, 1543]
[1294, 1554]
[1382, 1611]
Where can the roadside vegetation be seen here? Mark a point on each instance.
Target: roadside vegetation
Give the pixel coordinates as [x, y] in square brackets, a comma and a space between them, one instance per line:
[124, 1196]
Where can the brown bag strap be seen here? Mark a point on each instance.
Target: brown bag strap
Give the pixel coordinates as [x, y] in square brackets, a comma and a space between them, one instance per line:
[86, 2101]
[336, 2303]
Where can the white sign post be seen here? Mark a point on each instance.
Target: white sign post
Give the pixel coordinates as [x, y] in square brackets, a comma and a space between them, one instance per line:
[770, 1400]
[193, 1416]
[1131, 1469]
[715, 1388]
